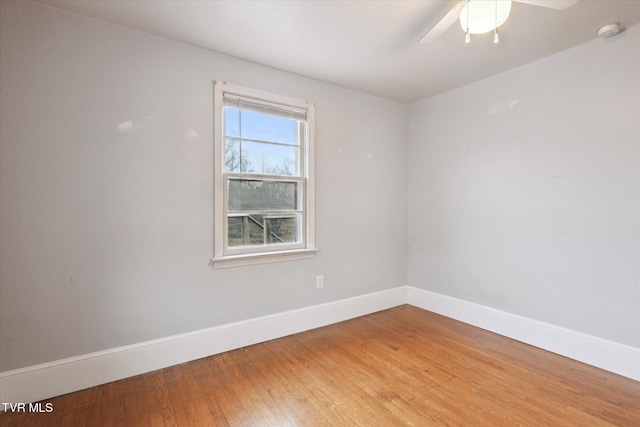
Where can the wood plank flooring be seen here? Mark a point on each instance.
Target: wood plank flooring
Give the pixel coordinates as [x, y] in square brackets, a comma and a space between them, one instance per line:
[403, 366]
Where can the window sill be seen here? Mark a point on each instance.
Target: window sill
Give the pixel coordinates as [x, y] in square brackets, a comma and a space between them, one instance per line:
[262, 258]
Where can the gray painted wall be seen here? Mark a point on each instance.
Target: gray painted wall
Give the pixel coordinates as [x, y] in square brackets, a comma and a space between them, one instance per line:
[107, 233]
[524, 190]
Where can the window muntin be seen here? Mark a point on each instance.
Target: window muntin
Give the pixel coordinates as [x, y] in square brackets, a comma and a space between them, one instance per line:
[264, 175]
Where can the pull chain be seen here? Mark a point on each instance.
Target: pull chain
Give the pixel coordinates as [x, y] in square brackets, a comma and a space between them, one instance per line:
[467, 37]
[496, 39]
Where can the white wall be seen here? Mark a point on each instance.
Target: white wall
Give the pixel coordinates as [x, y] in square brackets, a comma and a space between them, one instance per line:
[107, 233]
[524, 190]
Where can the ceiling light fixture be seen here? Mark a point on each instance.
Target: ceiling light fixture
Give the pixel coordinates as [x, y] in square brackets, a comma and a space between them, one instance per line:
[482, 16]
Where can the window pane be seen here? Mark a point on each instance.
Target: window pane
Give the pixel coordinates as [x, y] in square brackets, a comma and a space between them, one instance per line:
[235, 231]
[246, 230]
[246, 195]
[232, 152]
[271, 159]
[231, 121]
[259, 126]
[282, 229]
[263, 230]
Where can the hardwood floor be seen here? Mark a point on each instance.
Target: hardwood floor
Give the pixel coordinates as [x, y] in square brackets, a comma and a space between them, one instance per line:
[403, 366]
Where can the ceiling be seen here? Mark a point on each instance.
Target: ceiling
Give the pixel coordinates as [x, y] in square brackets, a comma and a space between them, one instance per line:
[369, 46]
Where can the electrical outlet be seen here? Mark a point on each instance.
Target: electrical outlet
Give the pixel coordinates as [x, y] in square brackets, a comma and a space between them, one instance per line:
[319, 281]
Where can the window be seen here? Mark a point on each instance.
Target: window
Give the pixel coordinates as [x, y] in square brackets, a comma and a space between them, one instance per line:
[264, 193]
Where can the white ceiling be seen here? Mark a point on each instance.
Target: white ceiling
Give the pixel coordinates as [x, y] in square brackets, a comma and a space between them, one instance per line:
[369, 46]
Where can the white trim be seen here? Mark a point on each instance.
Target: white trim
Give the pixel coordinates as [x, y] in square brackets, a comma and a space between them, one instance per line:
[309, 157]
[262, 258]
[604, 354]
[39, 382]
[47, 380]
[218, 172]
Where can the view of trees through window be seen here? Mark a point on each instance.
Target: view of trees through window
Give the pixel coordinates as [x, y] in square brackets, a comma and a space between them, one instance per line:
[263, 177]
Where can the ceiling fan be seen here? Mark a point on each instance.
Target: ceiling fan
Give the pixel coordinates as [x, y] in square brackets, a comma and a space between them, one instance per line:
[482, 16]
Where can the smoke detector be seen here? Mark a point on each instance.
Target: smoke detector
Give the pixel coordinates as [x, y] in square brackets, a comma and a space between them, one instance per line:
[609, 30]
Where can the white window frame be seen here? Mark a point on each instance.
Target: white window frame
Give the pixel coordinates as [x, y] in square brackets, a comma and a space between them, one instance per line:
[226, 256]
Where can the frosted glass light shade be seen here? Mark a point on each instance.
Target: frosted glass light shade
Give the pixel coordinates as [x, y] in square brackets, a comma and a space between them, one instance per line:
[482, 16]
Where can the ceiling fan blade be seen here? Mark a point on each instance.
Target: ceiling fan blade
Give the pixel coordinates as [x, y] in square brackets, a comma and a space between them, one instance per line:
[444, 24]
[551, 4]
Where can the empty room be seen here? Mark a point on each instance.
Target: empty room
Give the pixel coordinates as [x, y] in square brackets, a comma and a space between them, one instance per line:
[304, 213]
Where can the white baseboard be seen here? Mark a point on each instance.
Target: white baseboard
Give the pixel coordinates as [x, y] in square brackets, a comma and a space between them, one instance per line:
[608, 355]
[39, 382]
